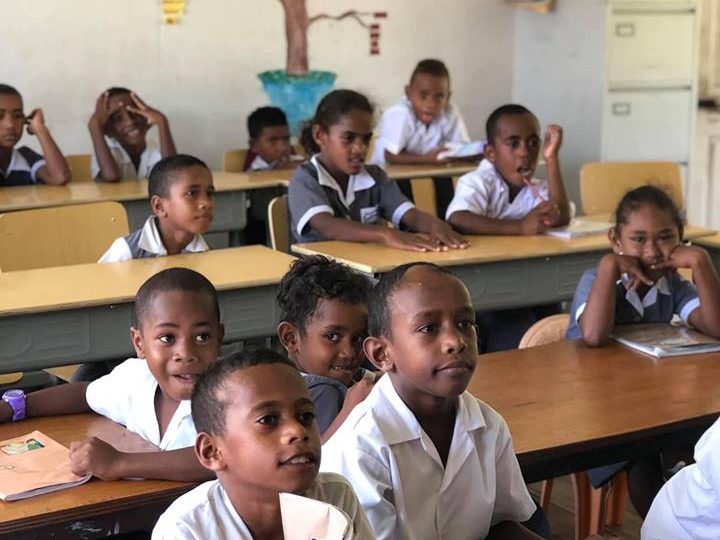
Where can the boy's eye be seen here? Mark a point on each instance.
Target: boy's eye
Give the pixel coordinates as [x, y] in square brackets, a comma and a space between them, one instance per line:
[191, 193]
[367, 138]
[638, 239]
[533, 143]
[332, 336]
[427, 328]
[307, 418]
[466, 325]
[202, 338]
[167, 338]
[269, 420]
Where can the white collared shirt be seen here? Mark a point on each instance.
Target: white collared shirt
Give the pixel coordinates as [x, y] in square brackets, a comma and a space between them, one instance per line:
[259, 164]
[150, 241]
[23, 167]
[401, 482]
[688, 505]
[484, 193]
[207, 512]
[150, 156]
[400, 130]
[127, 396]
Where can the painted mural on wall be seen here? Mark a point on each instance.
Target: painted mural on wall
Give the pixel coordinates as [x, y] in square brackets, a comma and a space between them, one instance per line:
[297, 89]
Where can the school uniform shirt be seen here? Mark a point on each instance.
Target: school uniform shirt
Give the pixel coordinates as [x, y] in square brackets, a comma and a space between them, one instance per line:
[484, 193]
[207, 512]
[670, 295]
[688, 505]
[150, 156]
[328, 395]
[371, 195]
[401, 482]
[259, 164]
[127, 396]
[23, 168]
[145, 243]
[401, 130]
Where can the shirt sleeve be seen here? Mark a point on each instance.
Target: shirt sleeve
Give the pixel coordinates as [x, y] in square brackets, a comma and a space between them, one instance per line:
[393, 203]
[471, 195]
[118, 251]
[306, 199]
[512, 500]
[108, 395]
[685, 298]
[328, 401]
[457, 132]
[34, 160]
[582, 292]
[395, 129]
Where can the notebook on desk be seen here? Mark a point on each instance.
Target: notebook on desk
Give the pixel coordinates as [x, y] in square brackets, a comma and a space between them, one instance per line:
[34, 464]
[579, 227]
[664, 339]
[462, 150]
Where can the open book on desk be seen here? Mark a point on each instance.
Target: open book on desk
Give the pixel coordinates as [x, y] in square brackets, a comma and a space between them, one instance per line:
[664, 339]
[579, 227]
[462, 150]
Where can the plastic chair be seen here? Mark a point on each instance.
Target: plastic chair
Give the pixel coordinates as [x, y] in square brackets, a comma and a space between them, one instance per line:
[589, 510]
[234, 160]
[602, 185]
[279, 224]
[80, 167]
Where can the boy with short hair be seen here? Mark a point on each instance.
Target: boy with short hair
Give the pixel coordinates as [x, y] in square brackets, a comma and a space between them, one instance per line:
[181, 197]
[501, 196]
[177, 334]
[323, 323]
[427, 459]
[118, 129]
[23, 166]
[415, 129]
[269, 140]
[256, 432]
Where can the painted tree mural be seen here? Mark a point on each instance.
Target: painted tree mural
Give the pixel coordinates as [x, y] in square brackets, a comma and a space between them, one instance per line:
[297, 89]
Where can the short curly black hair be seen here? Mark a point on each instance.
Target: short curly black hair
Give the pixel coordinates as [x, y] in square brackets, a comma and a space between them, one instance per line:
[314, 278]
[511, 109]
[208, 410]
[380, 297]
[164, 173]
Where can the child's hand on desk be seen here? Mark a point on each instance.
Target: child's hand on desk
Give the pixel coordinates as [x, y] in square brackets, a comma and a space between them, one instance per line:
[540, 218]
[96, 457]
[553, 141]
[153, 116]
[393, 238]
[103, 110]
[444, 235]
[432, 155]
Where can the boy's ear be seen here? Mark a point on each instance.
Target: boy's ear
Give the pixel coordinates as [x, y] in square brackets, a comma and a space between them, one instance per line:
[221, 333]
[614, 237]
[137, 341]
[407, 91]
[157, 204]
[252, 143]
[376, 349]
[208, 453]
[489, 152]
[289, 336]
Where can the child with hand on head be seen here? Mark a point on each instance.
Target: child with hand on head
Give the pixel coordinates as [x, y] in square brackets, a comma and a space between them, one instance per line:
[323, 323]
[23, 166]
[118, 129]
[269, 140]
[181, 197]
[257, 433]
[501, 196]
[177, 334]
[638, 282]
[416, 129]
[335, 196]
[426, 458]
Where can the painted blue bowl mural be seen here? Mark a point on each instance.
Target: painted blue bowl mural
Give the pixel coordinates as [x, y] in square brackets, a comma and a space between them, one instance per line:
[298, 96]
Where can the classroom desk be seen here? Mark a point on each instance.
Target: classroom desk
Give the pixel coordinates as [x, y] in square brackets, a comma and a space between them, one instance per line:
[93, 510]
[571, 407]
[500, 271]
[712, 244]
[408, 172]
[73, 314]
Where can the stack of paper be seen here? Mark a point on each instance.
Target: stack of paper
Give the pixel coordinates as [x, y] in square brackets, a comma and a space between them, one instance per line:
[580, 227]
[664, 339]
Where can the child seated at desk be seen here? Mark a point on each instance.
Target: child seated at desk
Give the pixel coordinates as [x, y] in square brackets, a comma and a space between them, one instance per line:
[177, 334]
[638, 282]
[323, 322]
[335, 196]
[118, 129]
[23, 166]
[426, 458]
[415, 129]
[269, 140]
[181, 198]
[257, 433]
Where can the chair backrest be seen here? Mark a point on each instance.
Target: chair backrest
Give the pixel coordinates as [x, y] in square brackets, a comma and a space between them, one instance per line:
[59, 236]
[602, 185]
[234, 160]
[547, 330]
[80, 167]
[279, 224]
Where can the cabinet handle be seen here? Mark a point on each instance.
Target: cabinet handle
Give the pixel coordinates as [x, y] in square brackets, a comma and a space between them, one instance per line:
[621, 109]
[625, 29]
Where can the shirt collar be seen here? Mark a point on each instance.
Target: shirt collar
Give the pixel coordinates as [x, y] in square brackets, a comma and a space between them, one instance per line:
[437, 123]
[356, 182]
[487, 167]
[259, 164]
[661, 286]
[17, 163]
[151, 242]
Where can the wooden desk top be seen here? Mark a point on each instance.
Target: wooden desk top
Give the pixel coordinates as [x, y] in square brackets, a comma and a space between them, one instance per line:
[67, 287]
[41, 196]
[376, 259]
[569, 395]
[710, 241]
[452, 168]
[82, 501]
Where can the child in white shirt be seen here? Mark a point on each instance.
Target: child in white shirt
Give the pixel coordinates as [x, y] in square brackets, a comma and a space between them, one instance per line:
[427, 459]
[257, 432]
